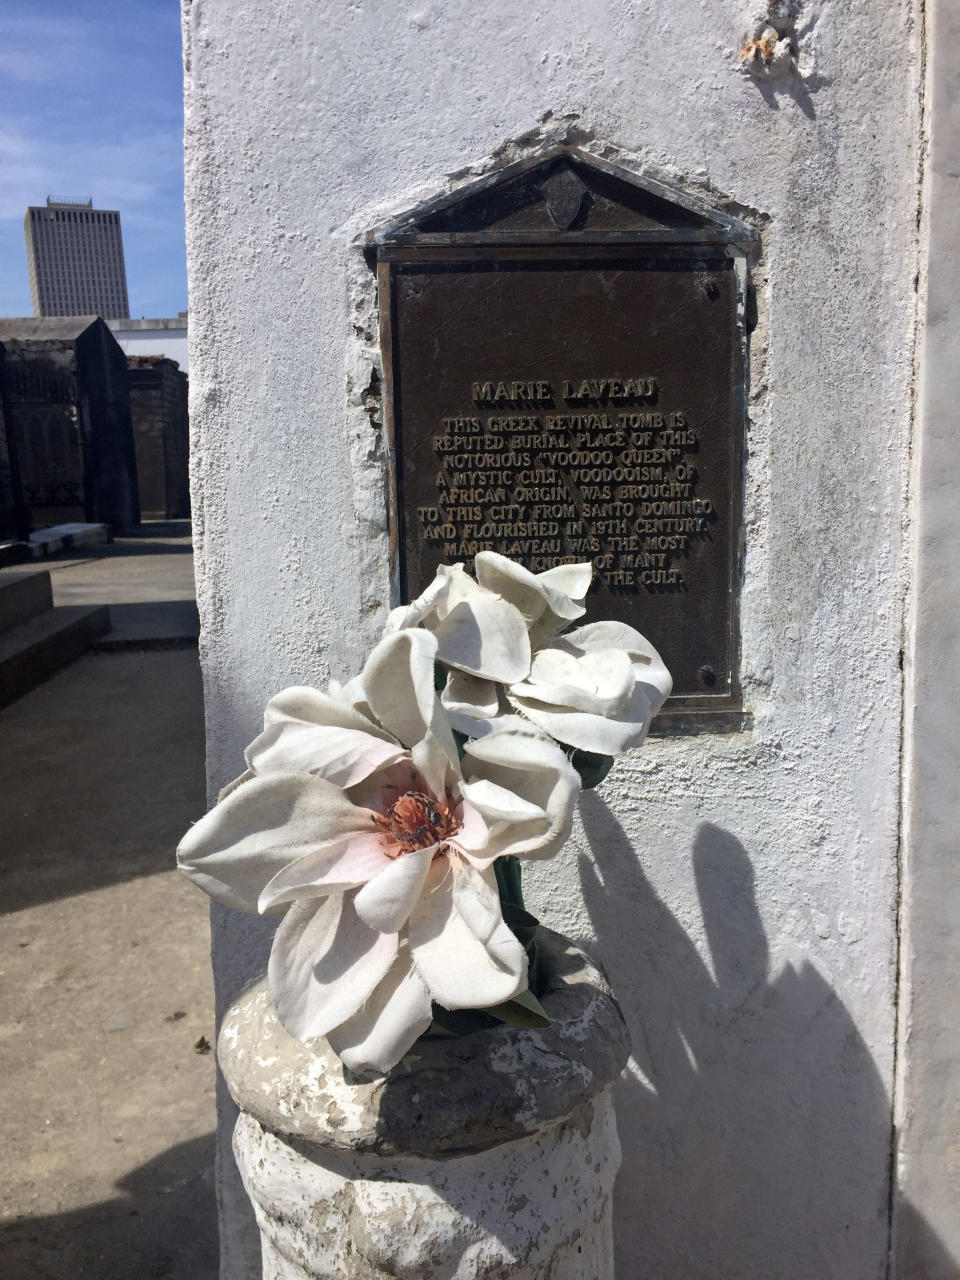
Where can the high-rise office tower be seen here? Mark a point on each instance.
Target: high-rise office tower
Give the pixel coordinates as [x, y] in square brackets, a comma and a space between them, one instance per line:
[75, 255]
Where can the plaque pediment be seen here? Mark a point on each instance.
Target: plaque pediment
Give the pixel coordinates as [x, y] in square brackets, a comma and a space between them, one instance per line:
[568, 196]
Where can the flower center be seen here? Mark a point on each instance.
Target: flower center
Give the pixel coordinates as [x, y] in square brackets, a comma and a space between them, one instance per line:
[416, 821]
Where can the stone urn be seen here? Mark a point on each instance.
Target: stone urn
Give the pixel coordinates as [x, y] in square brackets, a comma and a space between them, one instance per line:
[489, 1156]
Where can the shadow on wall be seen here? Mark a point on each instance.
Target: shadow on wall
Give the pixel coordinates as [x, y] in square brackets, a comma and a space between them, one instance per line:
[163, 1225]
[760, 1148]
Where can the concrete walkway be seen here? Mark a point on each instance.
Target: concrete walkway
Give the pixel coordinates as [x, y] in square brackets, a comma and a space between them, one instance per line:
[106, 1009]
[146, 578]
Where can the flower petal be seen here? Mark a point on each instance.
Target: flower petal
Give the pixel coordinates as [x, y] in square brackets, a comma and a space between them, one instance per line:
[469, 727]
[398, 681]
[324, 964]
[476, 896]
[340, 865]
[412, 614]
[266, 823]
[306, 731]
[617, 635]
[596, 688]
[460, 586]
[435, 767]
[384, 788]
[352, 695]
[512, 581]
[342, 756]
[569, 580]
[229, 789]
[544, 599]
[517, 757]
[497, 804]
[474, 833]
[605, 735]
[511, 823]
[396, 1014]
[385, 901]
[485, 636]
[600, 682]
[460, 946]
[472, 695]
[304, 705]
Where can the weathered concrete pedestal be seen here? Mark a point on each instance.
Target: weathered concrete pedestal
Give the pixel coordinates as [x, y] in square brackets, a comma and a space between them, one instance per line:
[485, 1156]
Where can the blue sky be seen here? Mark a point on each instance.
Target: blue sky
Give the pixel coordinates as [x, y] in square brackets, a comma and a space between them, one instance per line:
[90, 105]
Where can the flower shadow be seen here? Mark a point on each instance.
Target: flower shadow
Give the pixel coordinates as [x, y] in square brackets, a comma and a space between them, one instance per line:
[755, 1126]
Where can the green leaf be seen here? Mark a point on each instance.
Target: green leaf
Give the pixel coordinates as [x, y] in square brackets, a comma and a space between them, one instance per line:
[439, 676]
[591, 768]
[507, 871]
[460, 1022]
[521, 923]
[519, 920]
[524, 1010]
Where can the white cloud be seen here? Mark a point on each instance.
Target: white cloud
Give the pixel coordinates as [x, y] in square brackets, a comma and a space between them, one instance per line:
[132, 174]
[40, 50]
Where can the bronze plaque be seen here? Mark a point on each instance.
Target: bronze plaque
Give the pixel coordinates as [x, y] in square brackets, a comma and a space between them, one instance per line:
[585, 401]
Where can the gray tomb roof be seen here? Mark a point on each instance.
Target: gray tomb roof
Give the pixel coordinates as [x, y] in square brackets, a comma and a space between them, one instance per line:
[44, 328]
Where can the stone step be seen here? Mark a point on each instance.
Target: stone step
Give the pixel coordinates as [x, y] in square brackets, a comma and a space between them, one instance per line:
[14, 553]
[48, 542]
[151, 624]
[23, 596]
[38, 649]
[61, 537]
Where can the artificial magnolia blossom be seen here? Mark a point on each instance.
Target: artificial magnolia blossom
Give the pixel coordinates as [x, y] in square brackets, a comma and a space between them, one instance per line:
[357, 818]
[547, 601]
[478, 632]
[361, 821]
[596, 688]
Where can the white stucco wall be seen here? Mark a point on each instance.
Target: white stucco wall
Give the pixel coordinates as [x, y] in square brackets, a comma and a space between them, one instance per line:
[927, 1243]
[171, 343]
[742, 890]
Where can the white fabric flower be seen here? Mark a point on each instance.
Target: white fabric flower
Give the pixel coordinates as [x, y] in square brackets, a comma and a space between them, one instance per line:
[478, 632]
[548, 601]
[545, 602]
[596, 688]
[357, 817]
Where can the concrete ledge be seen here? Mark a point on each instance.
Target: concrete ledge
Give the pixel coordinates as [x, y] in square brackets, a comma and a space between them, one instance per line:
[24, 596]
[60, 537]
[151, 624]
[37, 650]
[46, 542]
